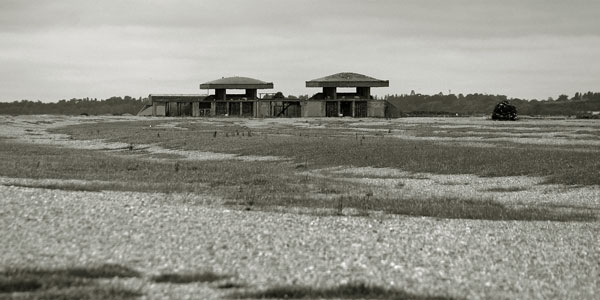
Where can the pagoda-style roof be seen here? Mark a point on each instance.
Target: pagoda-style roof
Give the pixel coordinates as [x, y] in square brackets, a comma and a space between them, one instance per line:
[347, 79]
[236, 82]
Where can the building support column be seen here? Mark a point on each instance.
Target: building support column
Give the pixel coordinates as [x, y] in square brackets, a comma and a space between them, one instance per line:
[353, 109]
[227, 111]
[339, 110]
[241, 107]
[213, 108]
[195, 109]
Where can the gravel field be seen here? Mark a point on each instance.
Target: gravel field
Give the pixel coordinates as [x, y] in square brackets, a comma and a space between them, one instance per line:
[158, 233]
[459, 258]
[519, 190]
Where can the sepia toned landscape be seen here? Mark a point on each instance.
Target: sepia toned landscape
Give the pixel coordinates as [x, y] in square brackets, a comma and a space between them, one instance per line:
[330, 208]
[299, 149]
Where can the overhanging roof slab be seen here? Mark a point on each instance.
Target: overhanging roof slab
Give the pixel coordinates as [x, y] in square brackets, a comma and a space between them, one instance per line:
[237, 82]
[347, 79]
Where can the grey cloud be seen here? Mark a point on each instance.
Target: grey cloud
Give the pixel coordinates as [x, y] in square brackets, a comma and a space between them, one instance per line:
[74, 48]
[387, 18]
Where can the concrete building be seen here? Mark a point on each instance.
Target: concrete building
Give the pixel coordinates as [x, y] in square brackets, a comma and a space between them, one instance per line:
[328, 103]
[358, 104]
[173, 105]
[234, 105]
[221, 103]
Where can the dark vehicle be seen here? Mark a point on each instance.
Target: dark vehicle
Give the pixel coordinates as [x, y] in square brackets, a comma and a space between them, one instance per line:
[504, 112]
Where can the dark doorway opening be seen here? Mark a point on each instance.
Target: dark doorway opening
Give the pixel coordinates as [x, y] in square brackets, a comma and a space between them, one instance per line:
[346, 108]
[185, 109]
[204, 109]
[247, 109]
[221, 108]
[331, 109]
[172, 109]
[234, 109]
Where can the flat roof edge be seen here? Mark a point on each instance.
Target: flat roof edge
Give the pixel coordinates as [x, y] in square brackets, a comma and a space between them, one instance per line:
[236, 86]
[382, 83]
[177, 95]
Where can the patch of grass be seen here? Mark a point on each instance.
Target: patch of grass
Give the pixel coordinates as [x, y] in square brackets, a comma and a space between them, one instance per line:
[453, 208]
[92, 272]
[327, 147]
[230, 285]
[165, 156]
[18, 160]
[103, 271]
[250, 184]
[67, 283]
[66, 187]
[184, 278]
[507, 189]
[80, 293]
[346, 291]
[455, 183]
[379, 176]
[264, 184]
[18, 284]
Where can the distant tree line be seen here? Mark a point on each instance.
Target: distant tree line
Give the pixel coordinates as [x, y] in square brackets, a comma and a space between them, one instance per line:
[75, 106]
[477, 104]
[401, 105]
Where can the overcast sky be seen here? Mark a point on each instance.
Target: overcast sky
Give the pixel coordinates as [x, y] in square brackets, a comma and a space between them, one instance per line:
[50, 50]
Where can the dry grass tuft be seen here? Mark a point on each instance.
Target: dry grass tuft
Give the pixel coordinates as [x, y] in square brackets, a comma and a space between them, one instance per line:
[346, 291]
[456, 208]
[184, 278]
[67, 283]
[507, 189]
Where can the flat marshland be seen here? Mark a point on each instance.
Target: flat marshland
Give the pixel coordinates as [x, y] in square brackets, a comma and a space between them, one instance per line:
[412, 208]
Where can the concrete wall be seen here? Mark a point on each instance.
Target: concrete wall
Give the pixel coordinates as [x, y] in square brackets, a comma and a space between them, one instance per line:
[376, 109]
[172, 109]
[313, 108]
[213, 109]
[146, 111]
[158, 109]
[263, 109]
